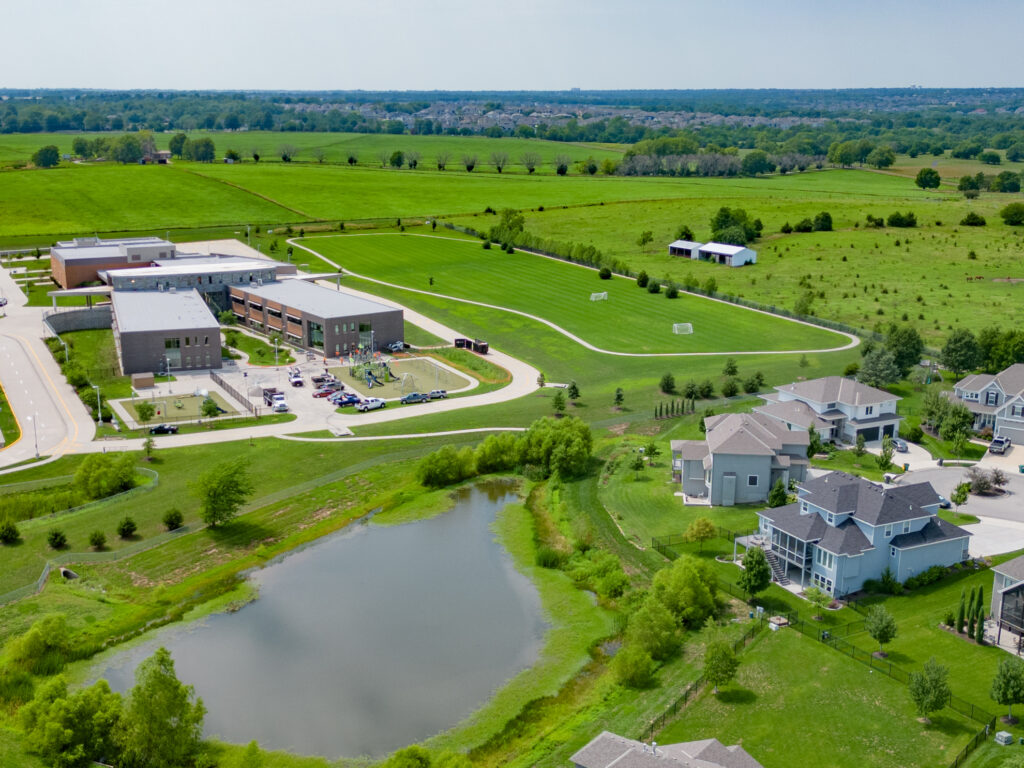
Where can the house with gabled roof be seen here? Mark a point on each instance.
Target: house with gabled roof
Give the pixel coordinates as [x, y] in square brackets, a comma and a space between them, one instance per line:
[837, 407]
[997, 402]
[608, 750]
[719, 253]
[844, 530]
[741, 457]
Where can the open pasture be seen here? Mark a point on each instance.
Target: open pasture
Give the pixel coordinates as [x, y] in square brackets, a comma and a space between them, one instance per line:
[631, 320]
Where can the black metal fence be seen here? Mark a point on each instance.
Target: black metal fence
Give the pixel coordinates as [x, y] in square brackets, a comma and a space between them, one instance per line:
[666, 544]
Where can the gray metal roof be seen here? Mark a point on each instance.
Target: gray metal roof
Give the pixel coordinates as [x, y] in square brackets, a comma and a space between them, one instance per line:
[161, 311]
[724, 248]
[689, 245]
[315, 299]
[837, 389]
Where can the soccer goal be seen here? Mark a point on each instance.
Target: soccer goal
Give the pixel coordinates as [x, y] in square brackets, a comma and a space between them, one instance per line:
[682, 328]
[603, 296]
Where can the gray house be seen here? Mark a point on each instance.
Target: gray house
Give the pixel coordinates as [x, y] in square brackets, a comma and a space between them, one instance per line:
[843, 530]
[838, 408]
[996, 401]
[742, 456]
[1008, 596]
[608, 749]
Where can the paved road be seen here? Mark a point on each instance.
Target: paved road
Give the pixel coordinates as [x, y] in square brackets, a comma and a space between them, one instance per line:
[852, 341]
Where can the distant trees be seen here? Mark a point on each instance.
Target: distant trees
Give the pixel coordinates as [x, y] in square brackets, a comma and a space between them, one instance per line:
[397, 159]
[412, 159]
[530, 161]
[441, 158]
[734, 226]
[126, 149]
[200, 150]
[287, 152]
[561, 163]
[755, 163]
[1013, 214]
[499, 160]
[881, 157]
[46, 157]
[928, 178]
[469, 162]
[822, 222]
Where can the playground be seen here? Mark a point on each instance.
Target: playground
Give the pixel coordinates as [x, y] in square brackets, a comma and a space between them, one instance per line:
[392, 379]
[175, 408]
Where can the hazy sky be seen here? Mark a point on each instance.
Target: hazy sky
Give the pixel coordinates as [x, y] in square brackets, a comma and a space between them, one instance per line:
[521, 44]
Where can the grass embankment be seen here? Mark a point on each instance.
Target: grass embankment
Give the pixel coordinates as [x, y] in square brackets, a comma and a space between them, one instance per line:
[258, 351]
[9, 426]
[784, 685]
[631, 320]
[418, 337]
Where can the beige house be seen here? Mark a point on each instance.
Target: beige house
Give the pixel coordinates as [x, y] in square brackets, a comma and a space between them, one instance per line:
[608, 750]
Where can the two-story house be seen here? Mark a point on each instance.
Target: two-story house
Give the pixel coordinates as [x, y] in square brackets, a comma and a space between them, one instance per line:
[843, 530]
[837, 407]
[609, 750]
[742, 456]
[996, 401]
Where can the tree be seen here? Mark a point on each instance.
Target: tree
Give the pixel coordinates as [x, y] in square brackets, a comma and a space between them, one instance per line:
[162, 725]
[46, 157]
[884, 458]
[637, 465]
[778, 496]
[819, 599]
[499, 160]
[757, 574]
[928, 178]
[558, 401]
[822, 222]
[955, 418]
[173, 519]
[1013, 214]
[633, 667]
[209, 409]
[530, 161]
[720, 663]
[879, 368]
[755, 163]
[413, 756]
[653, 628]
[573, 391]
[397, 159]
[561, 163]
[412, 159]
[859, 448]
[906, 346]
[222, 490]
[959, 494]
[1008, 685]
[973, 219]
[619, 397]
[881, 157]
[688, 588]
[814, 445]
[667, 384]
[145, 411]
[177, 144]
[961, 611]
[97, 540]
[252, 757]
[9, 533]
[442, 158]
[126, 528]
[961, 352]
[469, 162]
[929, 688]
[699, 531]
[645, 239]
[72, 730]
[56, 538]
[881, 626]
[127, 149]
[684, 233]
[200, 150]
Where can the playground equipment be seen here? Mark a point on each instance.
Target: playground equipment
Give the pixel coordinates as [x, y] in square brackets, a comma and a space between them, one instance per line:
[373, 373]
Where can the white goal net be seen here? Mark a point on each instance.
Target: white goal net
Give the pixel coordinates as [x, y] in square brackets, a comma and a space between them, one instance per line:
[682, 328]
[603, 296]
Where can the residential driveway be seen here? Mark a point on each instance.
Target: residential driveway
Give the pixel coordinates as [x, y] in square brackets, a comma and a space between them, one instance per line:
[993, 536]
[1007, 506]
[1009, 462]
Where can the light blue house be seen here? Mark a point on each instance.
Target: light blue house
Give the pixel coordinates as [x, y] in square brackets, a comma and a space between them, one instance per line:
[843, 530]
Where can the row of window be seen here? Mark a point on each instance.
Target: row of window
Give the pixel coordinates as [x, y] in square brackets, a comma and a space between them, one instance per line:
[824, 558]
[822, 583]
[190, 341]
[892, 528]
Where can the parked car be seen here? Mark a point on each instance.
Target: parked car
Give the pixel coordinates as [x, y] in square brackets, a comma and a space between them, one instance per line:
[3, 301]
[296, 381]
[944, 502]
[163, 429]
[999, 445]
[341, 399]
[279, 407]
[322, 378]
[323, 392]
[370, 404]
[396, 346]
[437, 394]
[415, 397]
[900, 445]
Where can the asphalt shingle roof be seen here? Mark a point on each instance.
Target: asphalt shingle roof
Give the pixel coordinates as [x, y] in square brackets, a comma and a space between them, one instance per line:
[936, 529]
[837, 389]
[873, 504]
[608, 749]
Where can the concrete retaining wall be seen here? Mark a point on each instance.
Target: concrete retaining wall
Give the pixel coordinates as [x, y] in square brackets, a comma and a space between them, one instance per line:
[85, 319]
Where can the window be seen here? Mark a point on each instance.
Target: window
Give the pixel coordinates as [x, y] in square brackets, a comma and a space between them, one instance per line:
[906, 526]
[186, 342]
[335, 328]
[751, 480]
[888, 531]
[822, 583]
[830, 518]
[892, 551]
[991, 398]
[206, 341]
[1017, 410]
[830, 407]
[868, 410]
[803, 508]
[824, 559]
[172, 343]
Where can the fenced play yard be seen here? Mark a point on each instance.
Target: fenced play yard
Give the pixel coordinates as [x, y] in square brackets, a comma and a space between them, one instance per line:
[398, 377]
[176, 408]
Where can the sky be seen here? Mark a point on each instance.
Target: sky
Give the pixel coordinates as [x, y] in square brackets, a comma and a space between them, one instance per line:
[521, 44]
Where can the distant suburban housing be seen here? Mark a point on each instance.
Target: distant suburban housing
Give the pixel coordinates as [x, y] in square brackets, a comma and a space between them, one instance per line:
[838, 408]
[1008, 596]
[609, 750]
[164, 331]
[742, 456]
[719, 253]
[997, 402]
[843, 530]
[310, 315]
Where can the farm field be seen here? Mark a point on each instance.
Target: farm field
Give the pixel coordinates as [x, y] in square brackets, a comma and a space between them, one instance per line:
[785, 681]
[630, 320]
[857, 275]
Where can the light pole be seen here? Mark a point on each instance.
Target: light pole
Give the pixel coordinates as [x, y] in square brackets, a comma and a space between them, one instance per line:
[99, 406]
[35, 432]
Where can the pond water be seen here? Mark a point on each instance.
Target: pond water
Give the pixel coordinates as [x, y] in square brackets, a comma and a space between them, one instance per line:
[369, 640]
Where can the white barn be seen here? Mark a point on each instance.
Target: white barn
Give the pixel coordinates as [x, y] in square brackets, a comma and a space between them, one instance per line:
[685, 248]
[730, 255]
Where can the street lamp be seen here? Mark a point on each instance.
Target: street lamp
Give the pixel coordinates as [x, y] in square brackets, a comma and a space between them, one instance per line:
[35, 431]
[99, 406]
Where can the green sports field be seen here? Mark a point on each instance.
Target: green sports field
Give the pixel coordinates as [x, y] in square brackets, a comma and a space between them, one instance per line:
[630, 320]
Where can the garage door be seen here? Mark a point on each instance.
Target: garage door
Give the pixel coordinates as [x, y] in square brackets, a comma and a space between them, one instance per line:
[1016, 434]
[888, 430]
[870, 434]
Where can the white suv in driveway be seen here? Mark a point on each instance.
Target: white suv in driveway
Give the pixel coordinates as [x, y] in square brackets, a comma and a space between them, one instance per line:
[370, 404]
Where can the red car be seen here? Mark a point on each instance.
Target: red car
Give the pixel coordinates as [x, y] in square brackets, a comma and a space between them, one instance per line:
[323, 392]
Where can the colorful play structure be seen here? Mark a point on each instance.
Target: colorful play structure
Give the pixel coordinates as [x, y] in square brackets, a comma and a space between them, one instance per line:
[373, 373]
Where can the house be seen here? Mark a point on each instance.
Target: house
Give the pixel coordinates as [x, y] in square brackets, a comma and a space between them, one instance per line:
[1008, 597]
[730, 255]
[685, 248]
[742, 456]
[997, 402]
[839, 408]
[608, 749]
[843, 530]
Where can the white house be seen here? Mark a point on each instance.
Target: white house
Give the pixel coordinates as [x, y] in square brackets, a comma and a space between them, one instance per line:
[730, 255]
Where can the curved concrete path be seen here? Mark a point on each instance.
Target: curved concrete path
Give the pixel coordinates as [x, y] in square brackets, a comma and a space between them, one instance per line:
[852, 341]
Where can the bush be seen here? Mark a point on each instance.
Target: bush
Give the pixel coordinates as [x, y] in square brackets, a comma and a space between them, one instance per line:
[889, 583]
[605, 273]
[823, 222]
[9, 533]
[173, 519]
[642, 279]
[671, 291]
[487, 245]
[653, 286]
[804, 225]
[786, 228]
[548, 557]
[56, 539]
[924, 578]
[973, 219]
[897, 219]
[667, 384]
[730, 388]
[126, 528]
[97, 540]
[633, 667]
[912, 433]
[706, 389]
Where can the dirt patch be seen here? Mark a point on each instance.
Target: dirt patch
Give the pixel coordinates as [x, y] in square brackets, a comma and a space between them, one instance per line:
[618, 429]
[654, 429]
[1007, 279]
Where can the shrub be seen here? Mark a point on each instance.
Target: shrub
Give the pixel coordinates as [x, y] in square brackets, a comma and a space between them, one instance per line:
[804, 225]
[605, 273]
[667, 384]
[706, 389]
[487, 245]
[56, 539]
[730, 388]
[926, 577]
[642, 279]
[97, 540]
[889, 583]
[126, 528]
[548, 557]
[9, 533]
[973, 219]
[671, 291]
[897, 219]
[633, 667]
[786, 228]
[823, 222]
[653, 287]
[173, 519]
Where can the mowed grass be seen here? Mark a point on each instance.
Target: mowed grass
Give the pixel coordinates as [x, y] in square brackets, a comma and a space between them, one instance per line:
[797, 702]
[110, 197]
[630, 320]
[858, 275]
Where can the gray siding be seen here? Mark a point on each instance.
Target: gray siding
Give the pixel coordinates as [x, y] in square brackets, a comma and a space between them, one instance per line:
[740, 466]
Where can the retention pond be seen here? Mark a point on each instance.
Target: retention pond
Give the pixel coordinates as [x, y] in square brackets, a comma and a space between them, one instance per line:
[370, 639]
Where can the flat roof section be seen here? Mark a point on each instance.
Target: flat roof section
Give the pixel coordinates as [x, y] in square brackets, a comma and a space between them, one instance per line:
[161, 311]
[315, 300]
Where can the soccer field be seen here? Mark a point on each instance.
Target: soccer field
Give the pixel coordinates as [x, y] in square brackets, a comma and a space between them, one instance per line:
[630, 321]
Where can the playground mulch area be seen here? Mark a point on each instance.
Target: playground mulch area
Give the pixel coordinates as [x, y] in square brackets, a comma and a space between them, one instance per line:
[415, 374]
[172, 408]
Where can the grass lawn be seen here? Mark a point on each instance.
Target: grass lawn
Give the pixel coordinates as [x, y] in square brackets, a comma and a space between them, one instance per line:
[865, 466]
[784, 684]
[630, 321]
[9, 426]
[420, 338]
[95, 352]
[258, 350]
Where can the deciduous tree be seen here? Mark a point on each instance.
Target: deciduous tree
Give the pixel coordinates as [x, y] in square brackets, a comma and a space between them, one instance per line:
[929, 688]
[46, 157]
[928, 178]
[699, 531]
[881, 626]
[720, 663]
[653, 628]
[222, 490]
[879, 368]
[1008, 685]
[756, 574]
